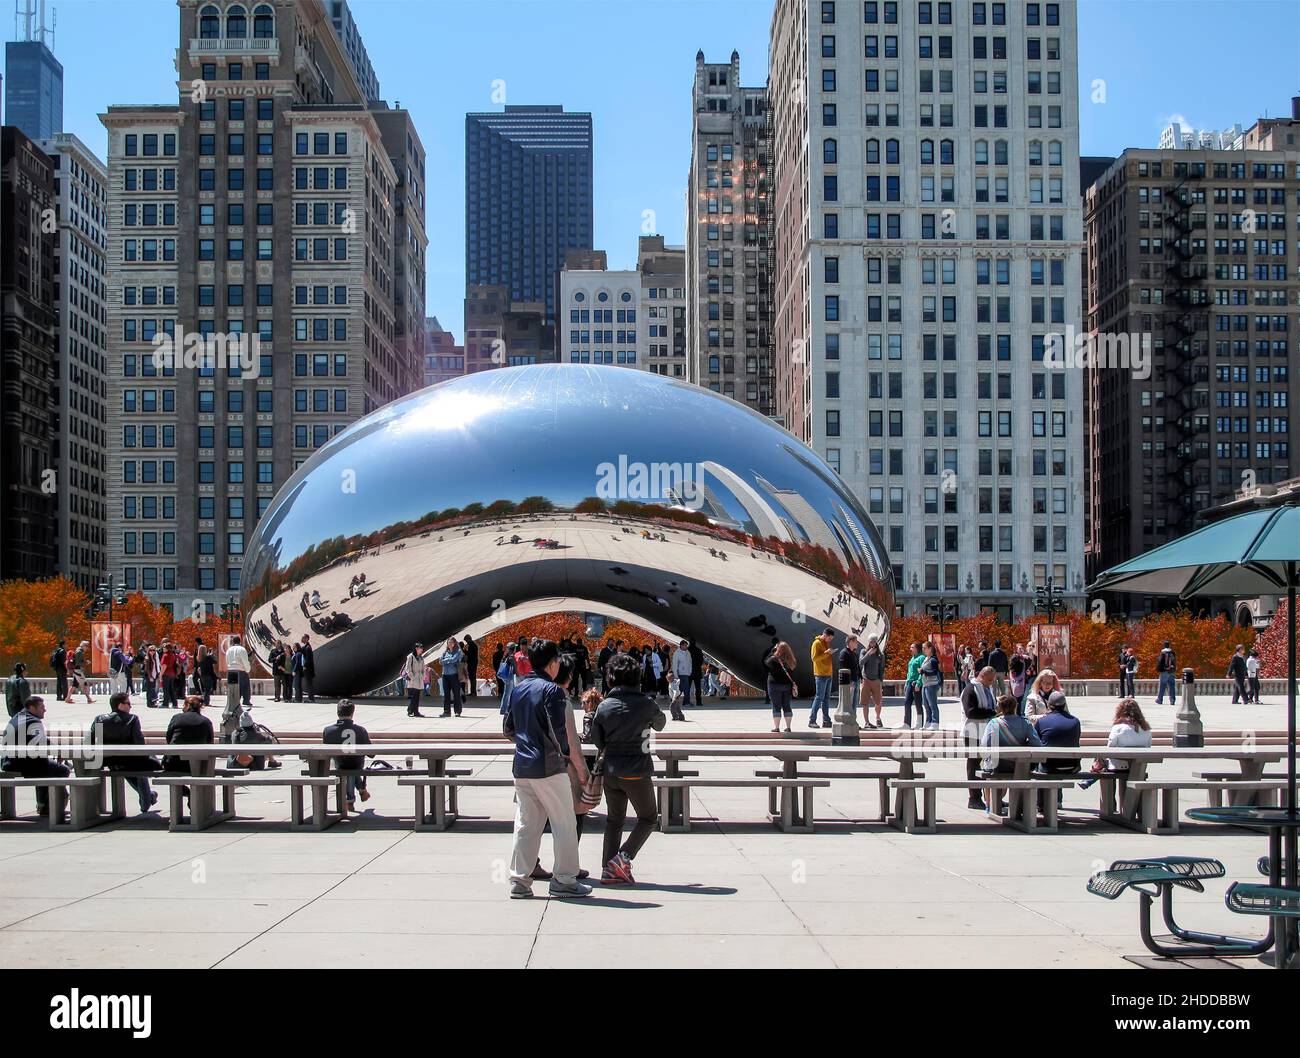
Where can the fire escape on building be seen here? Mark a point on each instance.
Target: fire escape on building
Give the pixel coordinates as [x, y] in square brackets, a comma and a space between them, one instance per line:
[1186, 405]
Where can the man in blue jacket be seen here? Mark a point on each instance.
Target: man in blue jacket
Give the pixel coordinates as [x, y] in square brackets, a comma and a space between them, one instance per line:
[536, 722]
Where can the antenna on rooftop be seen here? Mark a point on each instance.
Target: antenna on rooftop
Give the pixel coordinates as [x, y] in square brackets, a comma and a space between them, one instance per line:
[29, 22]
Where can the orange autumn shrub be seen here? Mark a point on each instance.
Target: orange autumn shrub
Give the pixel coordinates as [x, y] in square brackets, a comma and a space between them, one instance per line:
[1272, 644]
[34, 616]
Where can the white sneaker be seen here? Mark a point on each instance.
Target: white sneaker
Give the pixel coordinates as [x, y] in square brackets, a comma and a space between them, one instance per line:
[572, 891]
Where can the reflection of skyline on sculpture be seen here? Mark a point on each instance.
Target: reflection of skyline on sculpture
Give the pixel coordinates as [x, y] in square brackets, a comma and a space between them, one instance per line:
[454, 510]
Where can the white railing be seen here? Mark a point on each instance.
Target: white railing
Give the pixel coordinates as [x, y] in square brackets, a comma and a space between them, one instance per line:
[258, 45]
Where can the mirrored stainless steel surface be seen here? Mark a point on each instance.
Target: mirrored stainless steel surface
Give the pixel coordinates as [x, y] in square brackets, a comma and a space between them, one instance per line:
[524, 490]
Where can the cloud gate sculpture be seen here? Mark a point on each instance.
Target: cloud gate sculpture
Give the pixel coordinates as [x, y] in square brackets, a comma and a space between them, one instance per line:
[526, 490]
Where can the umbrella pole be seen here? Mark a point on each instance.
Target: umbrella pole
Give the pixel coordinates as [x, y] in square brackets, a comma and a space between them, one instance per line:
[1287, 937]
[1290, 699]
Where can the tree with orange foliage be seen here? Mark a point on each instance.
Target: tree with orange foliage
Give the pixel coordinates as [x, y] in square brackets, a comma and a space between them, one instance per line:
[1272, 645]
[34, 616]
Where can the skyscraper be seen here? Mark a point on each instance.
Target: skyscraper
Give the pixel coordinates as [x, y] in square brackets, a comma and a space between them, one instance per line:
[355, 48]
[729, 236]
[33, 81]
[528, 200]
[79, 430]
[253, 234]
[1189, 263]
[28, 347]
[928, 232]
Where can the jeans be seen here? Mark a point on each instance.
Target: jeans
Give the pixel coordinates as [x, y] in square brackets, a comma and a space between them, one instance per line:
[297, 686]
[1126, 685]
[618, 792]
[930, 702]
[143, 790]
[150, 693]
[779, 693]
[506, 687]
[61, 683]
[171, 687]
[39, 768]
[910, 695]
[821, 699]
[451, 694]
[684, 688]
[352, 782]
[1167, 680]
[1239, 690]
[1254, 689]
[537, 802]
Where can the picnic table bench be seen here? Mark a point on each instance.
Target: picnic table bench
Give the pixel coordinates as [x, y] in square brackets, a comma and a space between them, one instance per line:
[64, 799]
[177, 785]
[1024, 804]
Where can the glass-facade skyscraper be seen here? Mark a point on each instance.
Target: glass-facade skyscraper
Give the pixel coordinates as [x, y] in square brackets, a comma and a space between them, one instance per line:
[528, 199]
[33, 89]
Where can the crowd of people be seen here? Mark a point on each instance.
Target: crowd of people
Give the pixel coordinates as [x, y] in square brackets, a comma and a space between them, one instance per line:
[453, 674]
[670, 673]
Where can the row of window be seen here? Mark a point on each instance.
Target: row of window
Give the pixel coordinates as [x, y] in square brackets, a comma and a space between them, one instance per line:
[881, 385]
[981, 118]
[149, 179]
[1044, 463]
[876, 47]
[602, 315]
[938, 226]
[986, 422]
[317, 365]
[585, 337]
[927, 83]
[928, 13]
[947, 152]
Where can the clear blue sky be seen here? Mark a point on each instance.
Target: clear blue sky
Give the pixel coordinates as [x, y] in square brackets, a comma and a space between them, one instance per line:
[631, 63]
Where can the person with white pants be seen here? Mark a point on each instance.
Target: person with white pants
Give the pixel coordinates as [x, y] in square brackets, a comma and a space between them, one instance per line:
[536, 721]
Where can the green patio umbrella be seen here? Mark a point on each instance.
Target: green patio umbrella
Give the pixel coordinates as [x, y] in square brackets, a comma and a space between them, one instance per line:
[1252, 553]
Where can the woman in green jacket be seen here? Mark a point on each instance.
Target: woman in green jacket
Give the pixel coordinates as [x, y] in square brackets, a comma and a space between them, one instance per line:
[912, 692]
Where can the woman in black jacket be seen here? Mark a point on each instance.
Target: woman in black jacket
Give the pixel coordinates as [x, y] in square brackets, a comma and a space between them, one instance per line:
[621, 732]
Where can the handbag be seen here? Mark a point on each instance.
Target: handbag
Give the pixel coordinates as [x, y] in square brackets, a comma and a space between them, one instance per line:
[586, 796]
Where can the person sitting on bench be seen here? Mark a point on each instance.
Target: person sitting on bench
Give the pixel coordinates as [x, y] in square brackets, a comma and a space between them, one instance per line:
[120, 727]
[189, 727]
[1007, 729]
[344, 732]
[27, 728]
[1058, 727]
[1130, 731]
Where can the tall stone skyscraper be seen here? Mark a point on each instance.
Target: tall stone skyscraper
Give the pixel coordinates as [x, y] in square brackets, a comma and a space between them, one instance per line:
[79, 435]
[729, 236]
[928, 231]
[254, 234]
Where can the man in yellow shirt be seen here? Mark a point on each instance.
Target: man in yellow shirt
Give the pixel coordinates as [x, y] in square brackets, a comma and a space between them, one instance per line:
[823, 670]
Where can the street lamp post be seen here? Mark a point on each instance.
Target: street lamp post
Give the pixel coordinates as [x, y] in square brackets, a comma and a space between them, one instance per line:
[1047, 599]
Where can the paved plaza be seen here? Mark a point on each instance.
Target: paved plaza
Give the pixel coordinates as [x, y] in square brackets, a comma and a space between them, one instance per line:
[734, 892]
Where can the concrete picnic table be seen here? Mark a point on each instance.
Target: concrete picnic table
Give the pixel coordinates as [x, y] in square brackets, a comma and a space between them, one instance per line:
[789, 754]
[88, 759]
[1251, 761]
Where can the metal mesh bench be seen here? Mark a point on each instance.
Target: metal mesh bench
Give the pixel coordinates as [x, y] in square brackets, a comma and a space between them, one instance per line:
[1263, 865]
[1274, 900]
[1159, 877]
